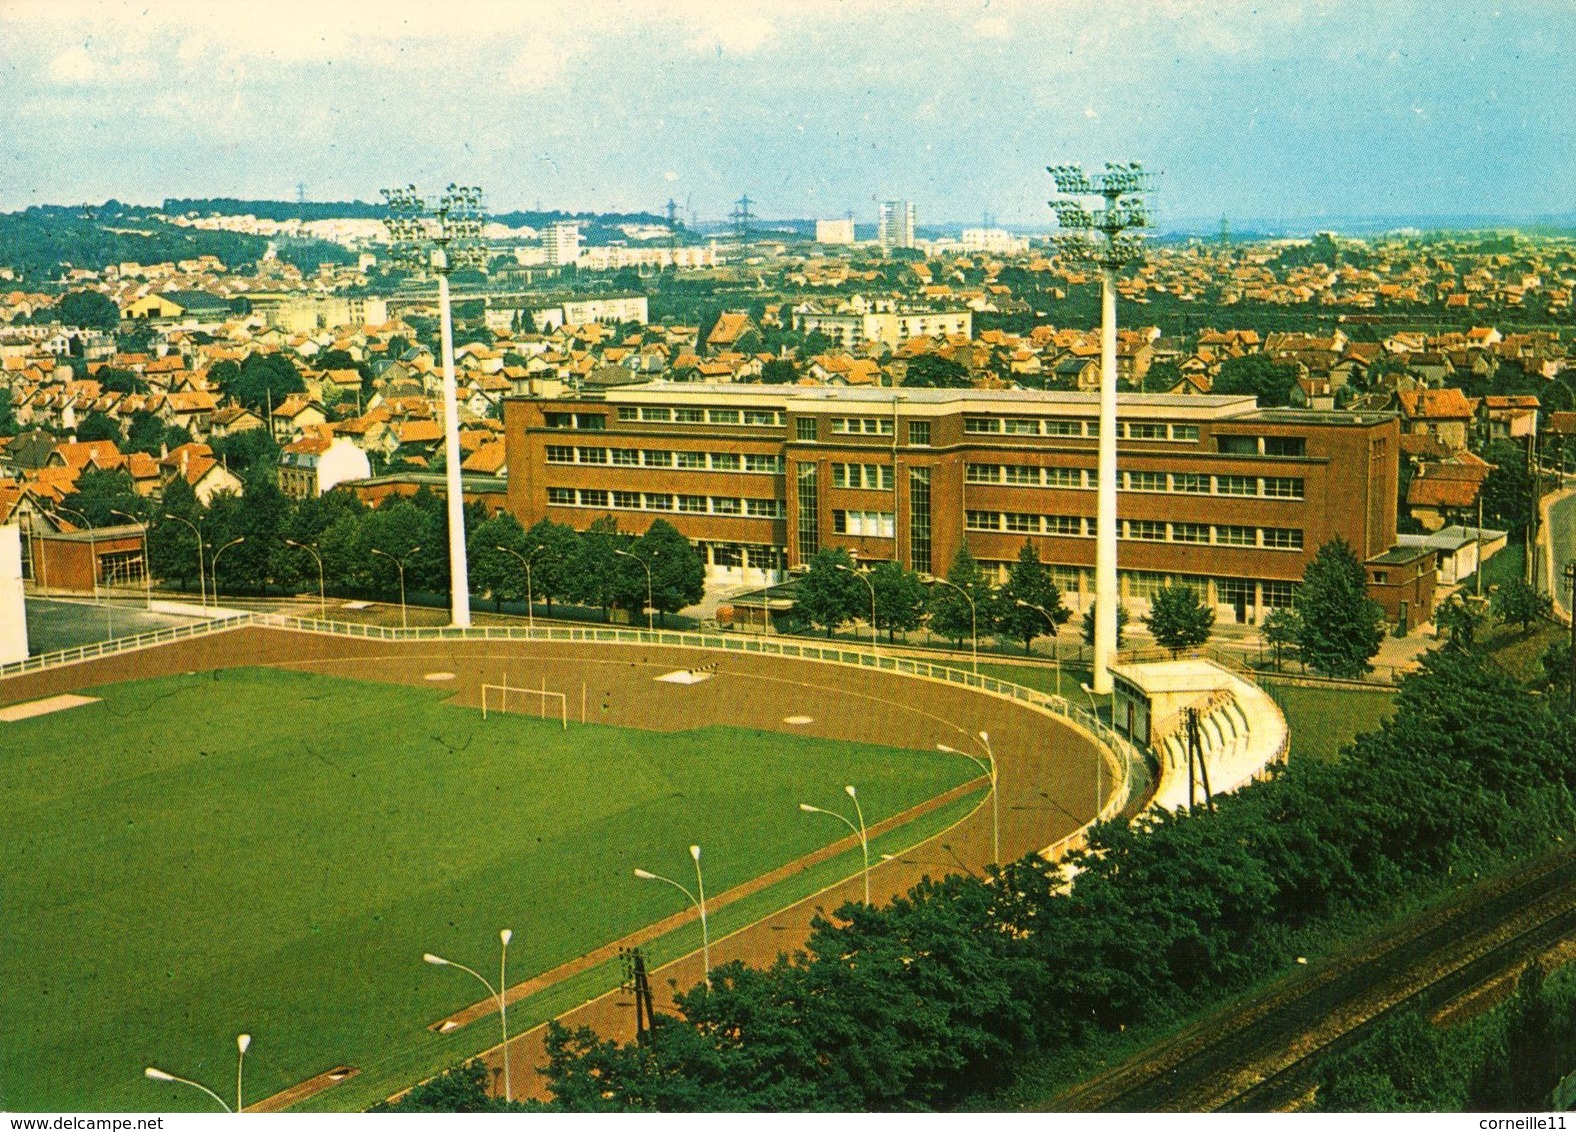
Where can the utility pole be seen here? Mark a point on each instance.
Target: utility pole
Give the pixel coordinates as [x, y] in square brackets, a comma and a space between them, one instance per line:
[438, 241]
[1103, 238]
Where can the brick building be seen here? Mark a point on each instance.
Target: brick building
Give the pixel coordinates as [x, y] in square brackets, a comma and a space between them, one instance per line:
[1215, 492]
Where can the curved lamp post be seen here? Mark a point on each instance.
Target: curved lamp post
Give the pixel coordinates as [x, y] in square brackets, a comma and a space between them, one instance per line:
[974, 621]
[92, 546]
[859, 830]
[504, 937]
[202, 583]
[647, 565]
[322, 601]
[860, 574]
[147, 572]
[988, 765]
[525, 560]
[233, 542]
[404, 620]
[698, 901]
[1056, 656]
[1099, 762]
[242, 1043]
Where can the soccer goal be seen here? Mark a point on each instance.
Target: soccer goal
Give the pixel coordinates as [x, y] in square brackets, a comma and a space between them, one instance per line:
[544, 699]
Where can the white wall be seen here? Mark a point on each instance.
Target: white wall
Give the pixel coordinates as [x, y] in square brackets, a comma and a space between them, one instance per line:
[13, 613]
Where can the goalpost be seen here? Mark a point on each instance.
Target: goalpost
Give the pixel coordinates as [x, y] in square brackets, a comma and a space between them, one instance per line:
[544, 698]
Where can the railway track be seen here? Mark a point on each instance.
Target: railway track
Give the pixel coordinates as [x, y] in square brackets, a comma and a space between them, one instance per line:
[1263, 1054]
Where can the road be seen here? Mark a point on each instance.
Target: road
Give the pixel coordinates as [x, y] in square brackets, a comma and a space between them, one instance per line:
[1264, 1054]
[1561, 530]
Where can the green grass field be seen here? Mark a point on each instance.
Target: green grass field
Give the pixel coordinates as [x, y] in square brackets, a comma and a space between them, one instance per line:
[272, 852]
[1323, 720]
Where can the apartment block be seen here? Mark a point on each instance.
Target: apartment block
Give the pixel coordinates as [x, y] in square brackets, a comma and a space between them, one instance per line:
[1214, 491]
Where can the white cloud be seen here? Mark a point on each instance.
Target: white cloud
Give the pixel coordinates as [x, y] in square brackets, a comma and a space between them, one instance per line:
[732, 32]
[73, 65]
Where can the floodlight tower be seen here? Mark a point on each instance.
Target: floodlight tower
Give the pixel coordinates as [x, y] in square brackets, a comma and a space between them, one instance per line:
[439, 239]
[1104, 238]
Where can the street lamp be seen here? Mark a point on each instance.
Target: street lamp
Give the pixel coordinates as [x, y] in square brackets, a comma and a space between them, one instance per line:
[447, 237]
[1103, 237]
[92, 546]
[322, 602]
[647, 566]
[974, 622]
[525, 560]
[243, 1042]
[860, 574]
[699, 902]
[504, 937]
[988, 765]
[864, 841]
[202, 583]
[1099, 761]
[233, 542]
[404, 620]
[1056, 656]
[147, 575]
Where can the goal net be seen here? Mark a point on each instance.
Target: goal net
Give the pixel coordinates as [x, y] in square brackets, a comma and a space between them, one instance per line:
[496, 696]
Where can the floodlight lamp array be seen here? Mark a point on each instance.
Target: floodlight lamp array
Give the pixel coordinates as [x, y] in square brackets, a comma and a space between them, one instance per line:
[454, 227]
[1124, 209]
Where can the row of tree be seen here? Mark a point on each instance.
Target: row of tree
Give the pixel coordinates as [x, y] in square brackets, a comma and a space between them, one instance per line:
[262, 541]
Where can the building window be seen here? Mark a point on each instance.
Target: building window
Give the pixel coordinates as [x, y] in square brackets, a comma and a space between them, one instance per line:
[1278, 595]
[561, 496]
[1144, 584]
[723, 416]
[650, 414]
[1150, 530]
[1072, 525]
[804, 428]
[653, 458]
[693, 504]
[1140, 430]
[1190, 483]
[659, 501]
[1022, 524]
[726, 505]
[1184, 432]
[760, 417]
[1146, 481]
[1189, 532]
[1064, 477]
[768, 464]
[869, 477]
[1238, 445]
[593, 497]
[982, 473]
[764, 508]
[1285, 446]
[1282, 487]
[919, 434]
[1021, 475]
[1236, 536]
[628, 413]
[689, 416]
[725, 462]
[691, 461]
[592, 455]
[626, 500]
[591, 422]
[919, 514]
[984, 520]
[1021, 426]
[1283, 538]
[626, 457]
[809, 512]
[981, 424]
[560, 454]
[864, 524]
[1236, 485]
[559, 420]
[1063, 428]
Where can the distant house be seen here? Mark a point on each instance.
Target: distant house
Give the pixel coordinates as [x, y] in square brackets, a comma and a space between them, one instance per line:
[1445, 414]
[735, 330]
[195, 464]
[314, 464]
[296, 414]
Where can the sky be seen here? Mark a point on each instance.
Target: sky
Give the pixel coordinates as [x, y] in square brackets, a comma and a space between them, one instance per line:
[1273, 110]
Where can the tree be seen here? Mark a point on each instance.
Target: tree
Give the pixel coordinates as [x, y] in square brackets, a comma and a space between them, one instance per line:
[98, 492]
[1122, 618]
[116, 380]
[1256, 374]
[1178, 619]
[551, 548]
[88, 309]
[900, 598]
[952, 614]
[244, 450]
[1507, 490]
[172, 547]
[1515, 601]
[462, 1088]
[779, 371]
[678, 575]
[1027, 599]
[1341, 626]
[596, 573]
[1161, 377]
[1457, 618]
[1281, 627]
[265, 380]
[99, 426]
[932, 371]
[829, 595]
